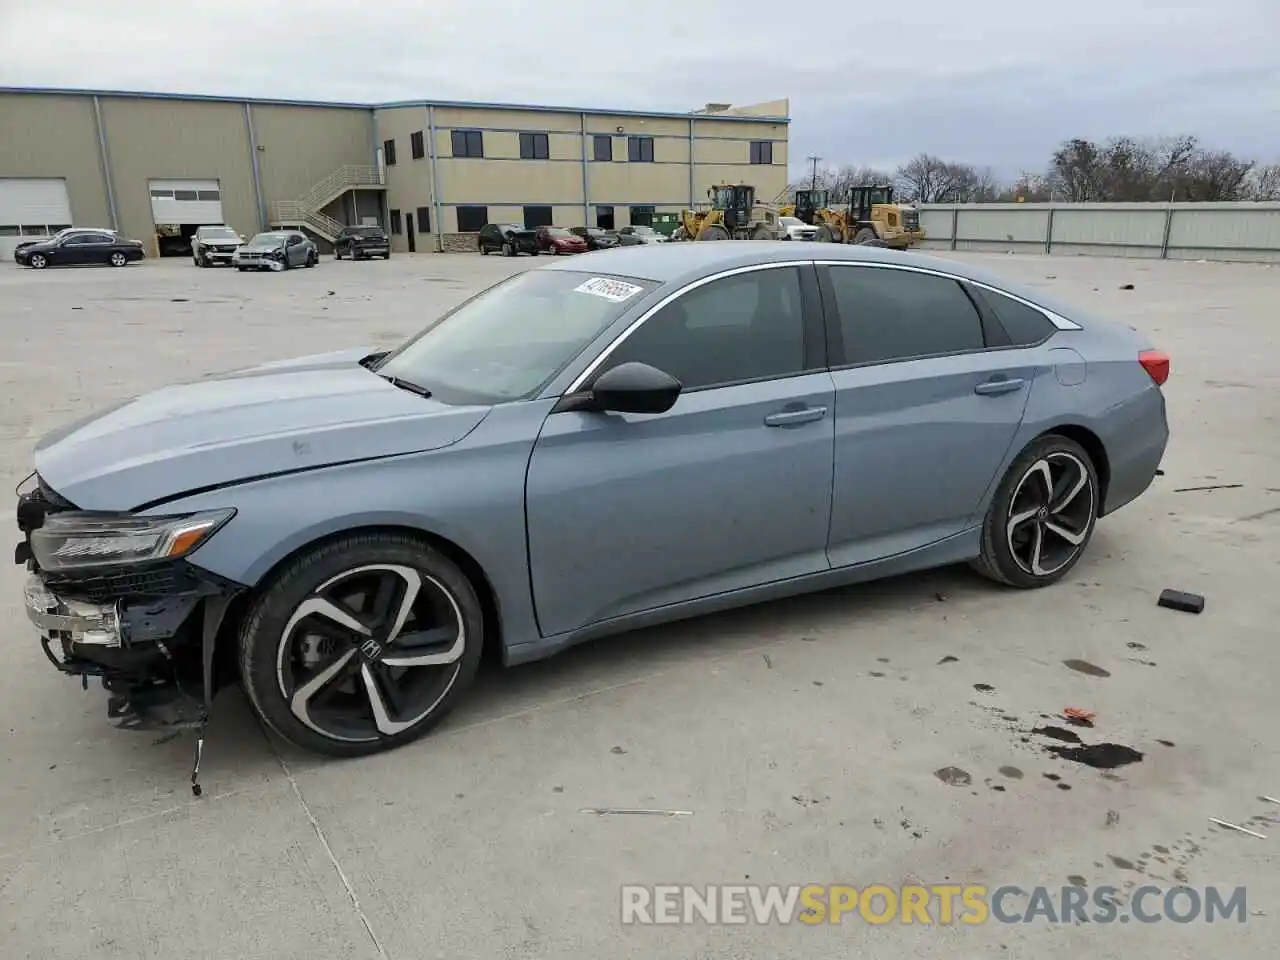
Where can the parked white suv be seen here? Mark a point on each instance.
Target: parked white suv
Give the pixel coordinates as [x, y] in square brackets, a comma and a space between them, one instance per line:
[797, 229]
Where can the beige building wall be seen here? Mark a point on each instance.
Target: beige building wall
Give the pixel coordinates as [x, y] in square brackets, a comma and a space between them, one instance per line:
[300, 146]
[56, 136]
[160, 139]
[408, 180]
[151, 138]
[504, 183]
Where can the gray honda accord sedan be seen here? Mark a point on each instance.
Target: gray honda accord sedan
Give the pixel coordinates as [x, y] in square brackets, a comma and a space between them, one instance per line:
[582, 449]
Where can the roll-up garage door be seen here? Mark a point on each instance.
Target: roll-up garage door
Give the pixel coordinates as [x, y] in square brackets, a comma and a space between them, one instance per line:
[31, 208]
[186, 201]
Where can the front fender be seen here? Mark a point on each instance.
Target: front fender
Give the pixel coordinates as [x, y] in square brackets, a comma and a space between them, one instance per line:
[471, 494]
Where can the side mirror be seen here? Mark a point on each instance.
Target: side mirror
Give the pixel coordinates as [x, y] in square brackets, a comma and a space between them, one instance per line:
[630, 388]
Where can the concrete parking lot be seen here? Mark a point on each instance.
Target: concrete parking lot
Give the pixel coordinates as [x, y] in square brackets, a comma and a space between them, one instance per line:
[801, 738]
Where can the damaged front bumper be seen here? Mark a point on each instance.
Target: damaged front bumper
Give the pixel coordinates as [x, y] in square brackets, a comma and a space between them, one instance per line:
[146, 631]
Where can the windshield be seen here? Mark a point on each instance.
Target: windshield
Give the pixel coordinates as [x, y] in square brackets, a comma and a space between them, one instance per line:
[366, 231]
[645, 231]
[511, 340]
[558, 232]
[220, 233]
[791, 221]
[268, 239]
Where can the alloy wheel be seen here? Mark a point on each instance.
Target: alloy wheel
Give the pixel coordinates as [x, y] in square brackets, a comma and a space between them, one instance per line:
[1050, 514]
[38, 261]
[371, 652]
[118, 259]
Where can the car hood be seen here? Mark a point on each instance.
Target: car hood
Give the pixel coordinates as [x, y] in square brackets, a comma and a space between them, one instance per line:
[221, 241]
[40, 246]
[233, 427]
[262, 246]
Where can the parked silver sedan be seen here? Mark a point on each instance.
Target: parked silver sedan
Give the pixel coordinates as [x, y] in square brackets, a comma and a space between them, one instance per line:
[588, 447]
[276, 250]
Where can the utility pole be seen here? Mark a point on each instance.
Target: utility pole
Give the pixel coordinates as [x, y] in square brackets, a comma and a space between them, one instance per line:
[813, 182]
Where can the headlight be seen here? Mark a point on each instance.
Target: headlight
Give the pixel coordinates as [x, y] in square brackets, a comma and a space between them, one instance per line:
[74, 539]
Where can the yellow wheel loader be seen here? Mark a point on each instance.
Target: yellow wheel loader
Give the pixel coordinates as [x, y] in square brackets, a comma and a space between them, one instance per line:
[731, 213]
[811, 207]
[874, 218]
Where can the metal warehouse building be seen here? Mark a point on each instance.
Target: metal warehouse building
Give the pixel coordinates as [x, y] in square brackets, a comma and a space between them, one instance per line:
[155, 166]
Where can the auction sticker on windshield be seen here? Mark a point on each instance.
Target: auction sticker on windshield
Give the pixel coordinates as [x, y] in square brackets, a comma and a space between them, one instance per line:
[615, 290]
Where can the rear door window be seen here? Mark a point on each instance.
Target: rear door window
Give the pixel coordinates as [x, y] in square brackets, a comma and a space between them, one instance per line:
[887, 314]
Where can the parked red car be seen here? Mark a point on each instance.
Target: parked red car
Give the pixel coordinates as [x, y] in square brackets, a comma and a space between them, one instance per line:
[559, 240]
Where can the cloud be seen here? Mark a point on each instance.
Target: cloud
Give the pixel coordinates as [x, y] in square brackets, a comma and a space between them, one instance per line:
[993, 82]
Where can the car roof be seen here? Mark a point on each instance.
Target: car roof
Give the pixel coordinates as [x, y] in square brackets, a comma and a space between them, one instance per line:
[682, 263]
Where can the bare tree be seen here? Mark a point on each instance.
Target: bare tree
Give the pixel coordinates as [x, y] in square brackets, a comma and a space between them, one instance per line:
[1077, 167]
[1263, 183]
[930, 179]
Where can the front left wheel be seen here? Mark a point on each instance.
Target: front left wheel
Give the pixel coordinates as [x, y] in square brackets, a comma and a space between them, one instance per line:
[362, 644]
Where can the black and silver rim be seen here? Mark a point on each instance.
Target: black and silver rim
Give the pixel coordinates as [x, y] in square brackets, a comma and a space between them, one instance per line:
[117, 259]
[371, 652]
[1050, 514]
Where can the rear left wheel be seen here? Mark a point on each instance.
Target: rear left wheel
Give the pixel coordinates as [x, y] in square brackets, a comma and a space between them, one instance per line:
[361, 645]
[1042, 516]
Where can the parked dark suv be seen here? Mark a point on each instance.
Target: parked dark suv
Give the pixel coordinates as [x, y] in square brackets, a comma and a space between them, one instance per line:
[360, 243]
[510, 238]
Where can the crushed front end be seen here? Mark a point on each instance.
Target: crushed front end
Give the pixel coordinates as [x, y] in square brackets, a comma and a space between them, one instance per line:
[113, 597]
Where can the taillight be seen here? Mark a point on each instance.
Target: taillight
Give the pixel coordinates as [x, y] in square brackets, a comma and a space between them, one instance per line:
[1156, 363]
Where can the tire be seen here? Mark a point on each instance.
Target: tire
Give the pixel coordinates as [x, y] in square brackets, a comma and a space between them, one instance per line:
[508, 250]
[37, 261]
[242, 269]
[824, 234]
[337, 253]
[275, 653]
[312, 259]
[1027, 511]
[864, 236]
[117, 259]
[714, 232]
[837, 235]
[761, 232]
[484, 251]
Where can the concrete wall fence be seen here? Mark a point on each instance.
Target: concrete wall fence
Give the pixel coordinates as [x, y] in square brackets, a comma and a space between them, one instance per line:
[1172, 231]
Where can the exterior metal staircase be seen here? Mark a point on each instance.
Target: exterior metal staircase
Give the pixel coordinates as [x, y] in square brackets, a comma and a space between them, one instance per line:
[306, 210]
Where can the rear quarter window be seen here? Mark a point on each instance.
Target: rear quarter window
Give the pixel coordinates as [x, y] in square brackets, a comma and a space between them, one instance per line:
[1026, 326]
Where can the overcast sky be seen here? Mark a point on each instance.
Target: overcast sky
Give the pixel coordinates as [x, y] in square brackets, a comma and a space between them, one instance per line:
[989, 82]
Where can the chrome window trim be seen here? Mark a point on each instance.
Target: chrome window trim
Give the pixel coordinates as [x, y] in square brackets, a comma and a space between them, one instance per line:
[617, 341]
[1059, 321]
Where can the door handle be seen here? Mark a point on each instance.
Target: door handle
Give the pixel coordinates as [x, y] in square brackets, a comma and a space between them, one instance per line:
[792, 418]
[999, 385]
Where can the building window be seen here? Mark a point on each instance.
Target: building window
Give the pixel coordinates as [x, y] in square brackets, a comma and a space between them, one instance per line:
[417, 148]
[640, 149]
[209, 194]
[468, 143]
[762, 151]
[537, 217]
[534, 146]
[602, 147]
[396, 226]
[604, 218]
[424, 220]
[642, 216]
[389, 152]
[186, 195]
[166, 194]
[471, 219]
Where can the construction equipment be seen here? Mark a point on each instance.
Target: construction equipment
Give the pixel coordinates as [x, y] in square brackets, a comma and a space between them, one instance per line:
[873, 216]
[732, 213]
[810, 207]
